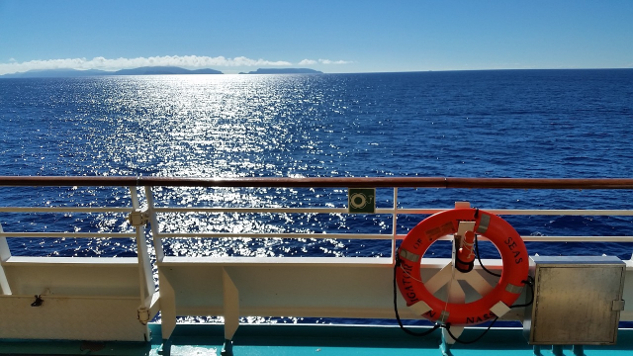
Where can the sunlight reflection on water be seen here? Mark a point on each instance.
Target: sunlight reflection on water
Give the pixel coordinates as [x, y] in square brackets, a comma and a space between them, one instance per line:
[219, 126]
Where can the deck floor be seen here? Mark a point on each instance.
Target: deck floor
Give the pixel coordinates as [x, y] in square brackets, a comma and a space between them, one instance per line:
[297, 340]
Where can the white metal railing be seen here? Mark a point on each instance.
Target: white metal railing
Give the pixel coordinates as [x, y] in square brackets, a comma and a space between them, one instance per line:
[150, 211]
[141, 212]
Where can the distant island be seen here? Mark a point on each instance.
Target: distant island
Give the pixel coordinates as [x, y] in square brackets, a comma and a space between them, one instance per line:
[58, 73]
[284, 71]
[164, 70]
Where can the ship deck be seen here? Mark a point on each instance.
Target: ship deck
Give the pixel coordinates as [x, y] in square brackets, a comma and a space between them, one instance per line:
[317, 340]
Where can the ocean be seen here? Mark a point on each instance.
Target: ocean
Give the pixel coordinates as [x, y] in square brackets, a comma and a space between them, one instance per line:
[502, 123]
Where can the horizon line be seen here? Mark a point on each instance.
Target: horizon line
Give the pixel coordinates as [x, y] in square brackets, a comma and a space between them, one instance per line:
[111, 72]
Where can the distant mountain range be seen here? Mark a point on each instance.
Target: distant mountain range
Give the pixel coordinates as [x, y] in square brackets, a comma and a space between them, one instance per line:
[164, 70]
[52, 73]
[59, 73]
[283, 71]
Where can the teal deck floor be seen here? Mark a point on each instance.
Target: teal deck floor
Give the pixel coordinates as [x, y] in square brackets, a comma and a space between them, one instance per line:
[297, 340]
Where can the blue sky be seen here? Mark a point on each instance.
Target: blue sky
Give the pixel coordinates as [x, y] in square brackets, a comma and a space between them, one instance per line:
[332, 36]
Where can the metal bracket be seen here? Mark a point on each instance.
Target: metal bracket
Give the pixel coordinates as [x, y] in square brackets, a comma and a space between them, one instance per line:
[462, 205]
[143, 315]
[165, 349]
[227, 348]
[578, 350]
[138, 218]
[445, 344]
[465, 226]
[617, 305]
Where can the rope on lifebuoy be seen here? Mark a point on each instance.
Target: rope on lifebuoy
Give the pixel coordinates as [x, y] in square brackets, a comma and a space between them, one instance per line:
[494, 304]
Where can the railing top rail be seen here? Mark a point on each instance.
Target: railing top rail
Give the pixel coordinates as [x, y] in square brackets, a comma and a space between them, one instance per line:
[326, 182]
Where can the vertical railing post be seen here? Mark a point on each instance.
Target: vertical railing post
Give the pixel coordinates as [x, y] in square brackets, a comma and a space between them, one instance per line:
[145, 271]
[5, 253]
[167, 293]
[394, 225]
[158, 244]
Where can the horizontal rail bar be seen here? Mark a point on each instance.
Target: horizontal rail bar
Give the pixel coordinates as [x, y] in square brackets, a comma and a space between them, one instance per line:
[210, 210]
[53, 209]
[379, 211]
[575, 212]
[541, 238]
[352, 236]
[349, 236]
[385, 211]
[215, 210]
[330, 182]
[71, 235]
[278, 235]
[577, 238]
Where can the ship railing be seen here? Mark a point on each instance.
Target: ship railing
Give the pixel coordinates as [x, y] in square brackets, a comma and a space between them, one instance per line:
[235, 287]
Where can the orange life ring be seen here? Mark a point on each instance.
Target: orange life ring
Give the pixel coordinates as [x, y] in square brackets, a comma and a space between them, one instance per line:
[514, 257]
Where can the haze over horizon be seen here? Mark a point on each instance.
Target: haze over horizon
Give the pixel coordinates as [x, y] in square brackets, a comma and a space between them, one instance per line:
[329, 36]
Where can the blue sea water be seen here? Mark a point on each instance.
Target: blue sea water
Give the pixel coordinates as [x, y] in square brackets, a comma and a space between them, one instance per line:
[514, 123]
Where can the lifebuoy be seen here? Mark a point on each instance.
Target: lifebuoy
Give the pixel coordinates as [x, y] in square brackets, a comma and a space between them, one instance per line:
[514, 257]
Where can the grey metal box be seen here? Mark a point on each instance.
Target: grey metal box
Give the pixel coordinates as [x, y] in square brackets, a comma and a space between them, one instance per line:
[577, 300]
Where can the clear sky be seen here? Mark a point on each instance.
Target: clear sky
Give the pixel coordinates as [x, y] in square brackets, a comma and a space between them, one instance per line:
[332, 36]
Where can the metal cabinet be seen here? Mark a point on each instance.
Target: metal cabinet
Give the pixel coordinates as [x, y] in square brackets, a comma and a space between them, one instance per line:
[577, 300]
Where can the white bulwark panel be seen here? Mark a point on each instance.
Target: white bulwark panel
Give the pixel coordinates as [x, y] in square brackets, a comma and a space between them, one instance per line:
[71, 318]
[72, 299]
